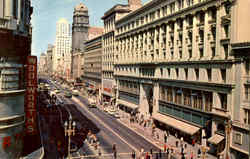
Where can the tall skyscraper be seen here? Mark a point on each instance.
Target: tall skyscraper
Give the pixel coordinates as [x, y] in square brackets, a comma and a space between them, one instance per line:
[62, 47]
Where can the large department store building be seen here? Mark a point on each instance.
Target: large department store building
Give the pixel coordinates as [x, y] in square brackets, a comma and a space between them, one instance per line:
[185, 64]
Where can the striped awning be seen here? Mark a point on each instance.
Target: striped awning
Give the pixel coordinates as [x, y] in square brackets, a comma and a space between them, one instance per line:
[177, 124]
[127, 104]
[216, 139]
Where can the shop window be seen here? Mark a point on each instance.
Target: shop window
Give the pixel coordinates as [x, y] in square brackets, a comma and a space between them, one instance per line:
[197, 100]
[187, 97]
[162, 96]
[169, 94]
[178, 96]
[237, 138]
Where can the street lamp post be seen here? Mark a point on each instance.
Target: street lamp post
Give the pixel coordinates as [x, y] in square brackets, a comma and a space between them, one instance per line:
[69, 129]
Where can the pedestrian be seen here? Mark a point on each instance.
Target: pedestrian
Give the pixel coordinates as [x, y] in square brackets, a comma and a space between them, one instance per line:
[147, 156]
[156, 156]
[151, 151]
[165, 138]
[191, 155]
[133, 154]
[159, 153]
[199, 152]
[181, 141]
[182, 156]
[193, 142]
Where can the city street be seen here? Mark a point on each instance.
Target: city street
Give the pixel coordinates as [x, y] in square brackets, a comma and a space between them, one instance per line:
[112, 131]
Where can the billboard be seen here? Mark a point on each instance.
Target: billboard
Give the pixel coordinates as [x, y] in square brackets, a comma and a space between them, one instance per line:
[31, 95]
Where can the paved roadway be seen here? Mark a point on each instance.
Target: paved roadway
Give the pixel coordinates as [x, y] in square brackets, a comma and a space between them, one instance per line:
[112, 131]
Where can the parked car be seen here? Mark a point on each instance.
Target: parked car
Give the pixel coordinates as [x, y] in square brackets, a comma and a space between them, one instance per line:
[75, 92]
[92, 103]
[67, 94]
[105, 109]
[112, 111]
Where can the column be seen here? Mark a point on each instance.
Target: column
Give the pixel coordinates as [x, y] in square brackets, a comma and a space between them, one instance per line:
[218, 48]
[176, 53]
[206, 50]
[185, 39]
[156, 98]
[195, 49]
[8, 8]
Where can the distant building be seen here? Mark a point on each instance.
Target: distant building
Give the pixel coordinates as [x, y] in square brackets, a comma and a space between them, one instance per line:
[62, 60]
[81, 32]
[80, 28]
[92, 68]
[49, 56]
[42, 65]
[15, 46]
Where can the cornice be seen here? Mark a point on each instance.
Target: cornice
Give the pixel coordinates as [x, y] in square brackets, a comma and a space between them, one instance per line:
[155, 64]
[179, 14]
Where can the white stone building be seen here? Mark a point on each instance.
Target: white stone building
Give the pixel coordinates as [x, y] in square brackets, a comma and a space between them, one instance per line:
[186, 64]
[62, 59]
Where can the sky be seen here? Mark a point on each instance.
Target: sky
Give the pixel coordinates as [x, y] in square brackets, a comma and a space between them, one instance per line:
[47, 12]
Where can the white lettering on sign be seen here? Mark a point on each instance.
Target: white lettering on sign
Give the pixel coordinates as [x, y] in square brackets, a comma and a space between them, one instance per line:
[31, 95]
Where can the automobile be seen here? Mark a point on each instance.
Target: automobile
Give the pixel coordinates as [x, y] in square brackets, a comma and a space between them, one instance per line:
[112, 111]
[75, 92]
[105, 109]
[116, 115]
[92, 103]
[57, 91]
[67, 94]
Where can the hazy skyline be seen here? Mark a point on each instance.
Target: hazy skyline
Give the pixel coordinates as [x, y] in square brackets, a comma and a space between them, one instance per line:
[47, 13]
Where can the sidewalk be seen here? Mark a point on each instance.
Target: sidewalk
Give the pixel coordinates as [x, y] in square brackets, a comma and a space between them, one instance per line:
[146, 132]
[159, 140]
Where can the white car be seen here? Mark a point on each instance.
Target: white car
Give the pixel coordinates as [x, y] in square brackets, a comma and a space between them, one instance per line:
[111, 111]
[75, 92]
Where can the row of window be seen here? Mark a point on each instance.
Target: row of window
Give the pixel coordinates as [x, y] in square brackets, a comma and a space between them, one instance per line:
[107, 75]
[196, 99]
[165, 10]
[172, 72]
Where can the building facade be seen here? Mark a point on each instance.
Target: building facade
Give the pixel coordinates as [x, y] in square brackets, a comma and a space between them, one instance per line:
[92, 76]
[80, 28]
[49, 57]
[109, 19]
[15, 46]
[42, 65]
[62, 60]
[173, 62]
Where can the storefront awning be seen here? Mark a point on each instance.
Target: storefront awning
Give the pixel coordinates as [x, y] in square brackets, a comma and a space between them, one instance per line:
[177, 124]
[127, 104]
[216, 139]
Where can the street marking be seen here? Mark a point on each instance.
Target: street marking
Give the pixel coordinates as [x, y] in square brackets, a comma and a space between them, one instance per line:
[100, 121]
